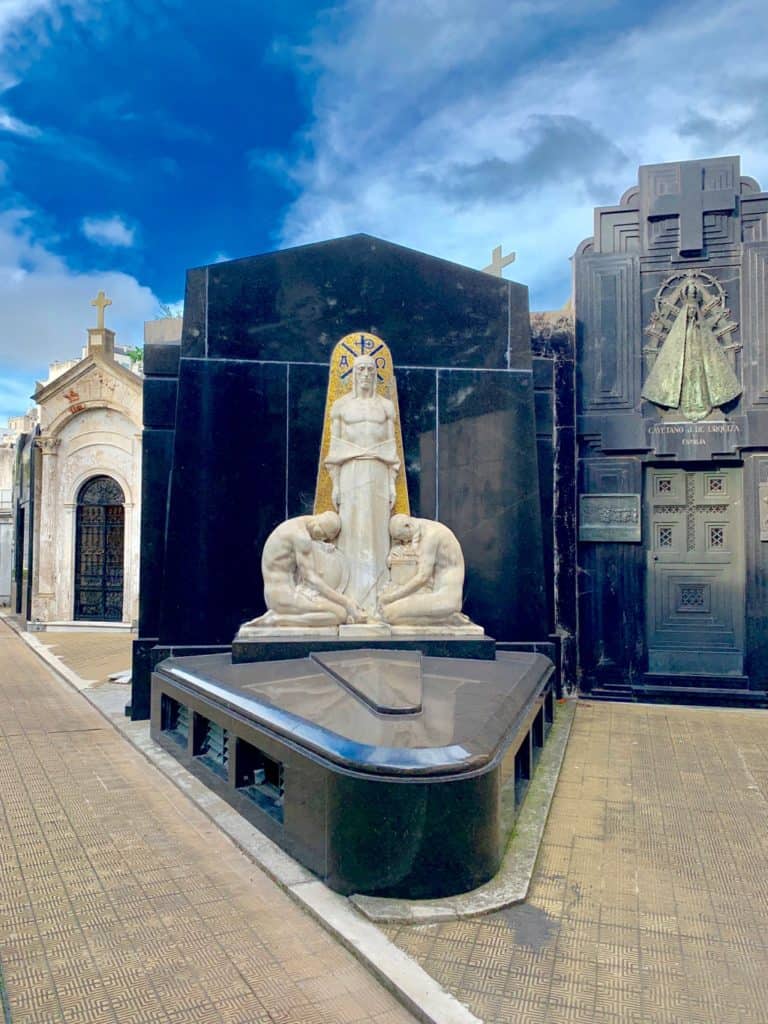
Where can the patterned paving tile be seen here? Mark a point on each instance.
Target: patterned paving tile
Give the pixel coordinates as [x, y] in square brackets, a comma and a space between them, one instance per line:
[650, 898]
[119, 902]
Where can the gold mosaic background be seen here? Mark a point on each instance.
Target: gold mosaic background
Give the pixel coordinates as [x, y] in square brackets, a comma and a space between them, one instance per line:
[339, 383]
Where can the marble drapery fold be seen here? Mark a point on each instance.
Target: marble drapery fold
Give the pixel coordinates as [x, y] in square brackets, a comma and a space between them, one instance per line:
[365, 475]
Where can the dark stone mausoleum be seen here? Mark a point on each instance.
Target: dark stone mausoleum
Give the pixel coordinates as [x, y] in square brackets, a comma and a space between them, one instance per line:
[671, 311]
[233, 421]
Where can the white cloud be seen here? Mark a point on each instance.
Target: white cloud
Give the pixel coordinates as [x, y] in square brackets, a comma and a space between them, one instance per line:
[457, 125]
[38, 19]
[45, 305]
[109, 231]
[9, 123]
[14, 12]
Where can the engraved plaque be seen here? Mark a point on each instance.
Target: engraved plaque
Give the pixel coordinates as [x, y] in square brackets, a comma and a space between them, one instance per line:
[609, 517]
[687, 440]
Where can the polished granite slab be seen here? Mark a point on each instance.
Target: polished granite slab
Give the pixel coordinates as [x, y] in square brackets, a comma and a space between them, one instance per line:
[465, 711]
[399, 783]
[390, 683]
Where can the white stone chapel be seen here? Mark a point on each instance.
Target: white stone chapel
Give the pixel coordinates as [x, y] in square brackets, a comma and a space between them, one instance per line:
[84, 552]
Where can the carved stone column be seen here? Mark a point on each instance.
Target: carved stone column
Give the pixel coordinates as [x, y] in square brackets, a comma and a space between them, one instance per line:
[44, 587]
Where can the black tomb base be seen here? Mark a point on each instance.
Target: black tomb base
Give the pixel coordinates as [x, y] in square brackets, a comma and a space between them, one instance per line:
[384, 772]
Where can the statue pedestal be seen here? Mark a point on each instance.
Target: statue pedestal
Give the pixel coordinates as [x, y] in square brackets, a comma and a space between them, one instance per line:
[278, 646]
[290, 632]
[365, 631]
[469, 630]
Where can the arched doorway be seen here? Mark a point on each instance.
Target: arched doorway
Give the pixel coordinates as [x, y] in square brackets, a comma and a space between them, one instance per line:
[99, 550]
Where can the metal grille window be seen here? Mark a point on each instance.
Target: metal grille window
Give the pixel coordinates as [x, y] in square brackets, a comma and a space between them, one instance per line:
[716, 536]
[99, 550]
[214, 746]
[716, 485]
[663, 485]
[260, 778]
[175, 719]
[692, 596]
[665, 537]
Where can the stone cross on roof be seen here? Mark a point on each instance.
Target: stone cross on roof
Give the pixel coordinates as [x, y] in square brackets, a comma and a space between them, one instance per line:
[690, 205]
[101, 302]
[498, 262]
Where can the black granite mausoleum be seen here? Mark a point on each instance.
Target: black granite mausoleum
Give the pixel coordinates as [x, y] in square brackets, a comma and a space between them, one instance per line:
[233, 418]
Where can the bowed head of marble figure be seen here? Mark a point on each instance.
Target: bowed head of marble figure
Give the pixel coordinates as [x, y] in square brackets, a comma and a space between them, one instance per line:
[304, 575]
[363, 464]
[432, 596]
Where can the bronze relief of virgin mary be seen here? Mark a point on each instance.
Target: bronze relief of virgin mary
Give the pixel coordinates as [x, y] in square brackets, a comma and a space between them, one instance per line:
[692, 371]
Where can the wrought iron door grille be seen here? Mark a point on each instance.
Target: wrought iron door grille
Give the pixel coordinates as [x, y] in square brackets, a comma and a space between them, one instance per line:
[693, 597]
[99, 551]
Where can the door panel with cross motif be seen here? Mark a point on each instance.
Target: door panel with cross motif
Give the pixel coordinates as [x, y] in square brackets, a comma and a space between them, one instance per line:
[695, 578]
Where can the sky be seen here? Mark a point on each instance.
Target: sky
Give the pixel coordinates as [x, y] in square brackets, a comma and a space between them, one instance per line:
[139, 138]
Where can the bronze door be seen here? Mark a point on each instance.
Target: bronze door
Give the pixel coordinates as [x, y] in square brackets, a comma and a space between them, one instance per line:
[99, 551]
[695, 577]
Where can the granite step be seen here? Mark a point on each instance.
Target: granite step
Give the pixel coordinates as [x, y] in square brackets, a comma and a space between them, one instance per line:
[713, 696]
[610, 692]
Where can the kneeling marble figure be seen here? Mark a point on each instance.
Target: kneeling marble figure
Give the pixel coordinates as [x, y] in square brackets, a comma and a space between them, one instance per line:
[432, 596]
[304, 575]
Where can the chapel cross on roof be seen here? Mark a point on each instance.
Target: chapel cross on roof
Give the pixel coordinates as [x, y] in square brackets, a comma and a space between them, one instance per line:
[101, 302]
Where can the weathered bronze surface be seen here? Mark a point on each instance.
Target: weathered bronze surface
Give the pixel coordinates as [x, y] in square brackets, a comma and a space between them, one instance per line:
[691, 371]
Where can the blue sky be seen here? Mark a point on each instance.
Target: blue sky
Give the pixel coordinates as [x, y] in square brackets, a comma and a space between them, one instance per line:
[141, 138]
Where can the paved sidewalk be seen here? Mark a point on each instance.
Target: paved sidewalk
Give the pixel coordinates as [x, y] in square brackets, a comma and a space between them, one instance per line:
[92, 656]
[121, 902]
[649, 904]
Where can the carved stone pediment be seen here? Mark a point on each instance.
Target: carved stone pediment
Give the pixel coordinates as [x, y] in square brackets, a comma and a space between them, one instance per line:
[92, 383]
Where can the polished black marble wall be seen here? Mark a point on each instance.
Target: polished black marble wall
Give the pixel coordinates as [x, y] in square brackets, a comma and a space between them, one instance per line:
[232, 443]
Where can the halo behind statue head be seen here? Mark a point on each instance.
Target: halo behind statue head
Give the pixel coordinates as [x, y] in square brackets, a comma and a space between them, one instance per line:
[340, 379]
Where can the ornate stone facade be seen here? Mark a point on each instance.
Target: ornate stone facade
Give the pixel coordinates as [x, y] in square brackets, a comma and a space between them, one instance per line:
[7, 451]
[90, 419]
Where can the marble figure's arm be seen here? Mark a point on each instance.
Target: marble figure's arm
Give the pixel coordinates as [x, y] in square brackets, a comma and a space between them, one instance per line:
[307, 572]
[395, 469]
[422, 576]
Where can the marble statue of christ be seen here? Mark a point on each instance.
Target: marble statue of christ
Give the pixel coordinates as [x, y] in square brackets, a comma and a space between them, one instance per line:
[363, 464]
